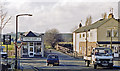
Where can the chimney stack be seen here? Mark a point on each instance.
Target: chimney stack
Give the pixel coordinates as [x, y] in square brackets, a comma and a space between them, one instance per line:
[111, 14]
[80, 25]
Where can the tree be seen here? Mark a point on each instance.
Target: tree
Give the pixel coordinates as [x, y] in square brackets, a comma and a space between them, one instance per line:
[52, 37]
[88, 21]
[4, 19]
[104, 15]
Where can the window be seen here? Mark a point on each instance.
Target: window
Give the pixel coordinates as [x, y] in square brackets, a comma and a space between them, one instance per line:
[38, 43]
[115, 33]
[80, 35]
[25, 49]
[38, 48]
[108, 33]
[31, 49]
[24, 43]
[83, 35]
[31, 44]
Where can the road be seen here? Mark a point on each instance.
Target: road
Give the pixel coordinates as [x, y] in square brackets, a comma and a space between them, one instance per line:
[66, 63]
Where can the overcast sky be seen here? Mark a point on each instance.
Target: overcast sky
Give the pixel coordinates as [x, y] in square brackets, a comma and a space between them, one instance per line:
[63, 15]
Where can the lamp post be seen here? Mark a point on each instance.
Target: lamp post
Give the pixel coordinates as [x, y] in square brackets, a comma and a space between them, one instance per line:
[17, 36]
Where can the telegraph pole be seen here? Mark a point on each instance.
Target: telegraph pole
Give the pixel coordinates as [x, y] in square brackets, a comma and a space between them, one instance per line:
[86, 43]
[111, 40]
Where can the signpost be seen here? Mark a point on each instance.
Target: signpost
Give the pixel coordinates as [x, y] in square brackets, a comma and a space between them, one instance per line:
[18, 47]
[7, 41]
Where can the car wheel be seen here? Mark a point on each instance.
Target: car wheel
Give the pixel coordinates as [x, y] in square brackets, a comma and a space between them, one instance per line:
[58, 64]
[53, 64]
[95, 66]
[87, 63]
[47, 64]
[111, 66]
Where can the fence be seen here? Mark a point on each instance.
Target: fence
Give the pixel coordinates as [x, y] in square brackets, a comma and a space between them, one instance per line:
[68, 52]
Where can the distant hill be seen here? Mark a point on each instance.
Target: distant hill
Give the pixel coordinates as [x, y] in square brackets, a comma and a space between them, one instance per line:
[66, 37]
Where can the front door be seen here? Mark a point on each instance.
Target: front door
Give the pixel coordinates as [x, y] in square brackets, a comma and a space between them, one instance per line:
[31, 49]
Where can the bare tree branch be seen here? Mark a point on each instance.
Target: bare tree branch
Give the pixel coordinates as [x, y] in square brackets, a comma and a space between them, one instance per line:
[88, 21]
[3, 18]
[6, 22]
[104, 15]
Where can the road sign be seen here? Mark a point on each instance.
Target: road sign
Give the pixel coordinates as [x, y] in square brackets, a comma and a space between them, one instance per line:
[7, 39]
[18, 46]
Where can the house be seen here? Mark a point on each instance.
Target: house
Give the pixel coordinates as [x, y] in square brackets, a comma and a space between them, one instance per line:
[104, 32]
[33, 44]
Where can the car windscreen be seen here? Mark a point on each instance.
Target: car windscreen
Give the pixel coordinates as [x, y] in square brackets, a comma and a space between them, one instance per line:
[100, 52]
[53, 57]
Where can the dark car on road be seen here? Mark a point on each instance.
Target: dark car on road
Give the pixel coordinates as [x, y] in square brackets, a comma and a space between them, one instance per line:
[53, 59]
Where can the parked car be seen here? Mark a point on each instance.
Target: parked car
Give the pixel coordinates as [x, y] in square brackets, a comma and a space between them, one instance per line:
[53, 59]
[100, 57]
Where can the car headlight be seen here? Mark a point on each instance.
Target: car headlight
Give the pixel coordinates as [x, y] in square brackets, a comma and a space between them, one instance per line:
[111, 59]
[97, 59]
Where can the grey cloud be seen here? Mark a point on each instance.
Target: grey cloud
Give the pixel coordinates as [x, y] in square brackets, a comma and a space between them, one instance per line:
[64, 16]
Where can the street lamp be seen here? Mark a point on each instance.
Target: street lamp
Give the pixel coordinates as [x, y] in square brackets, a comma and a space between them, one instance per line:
[16, 35]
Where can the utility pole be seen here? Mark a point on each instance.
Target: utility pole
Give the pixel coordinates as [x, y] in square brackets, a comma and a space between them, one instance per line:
[86, 43]
[111, 40]
[111, 29]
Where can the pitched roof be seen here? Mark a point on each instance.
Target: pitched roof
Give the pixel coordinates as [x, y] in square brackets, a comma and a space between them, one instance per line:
[30, 34]
[92, 26]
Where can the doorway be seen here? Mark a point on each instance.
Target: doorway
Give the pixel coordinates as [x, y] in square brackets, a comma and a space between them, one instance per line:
[31, 49]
